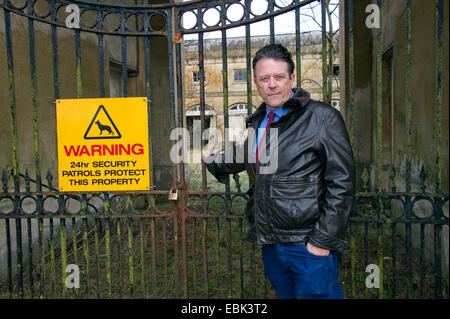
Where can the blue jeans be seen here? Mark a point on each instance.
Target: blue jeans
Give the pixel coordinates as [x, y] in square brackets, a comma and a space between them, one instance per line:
[294, 272]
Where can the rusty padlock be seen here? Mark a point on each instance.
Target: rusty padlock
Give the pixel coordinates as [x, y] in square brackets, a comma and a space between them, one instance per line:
[173, 195]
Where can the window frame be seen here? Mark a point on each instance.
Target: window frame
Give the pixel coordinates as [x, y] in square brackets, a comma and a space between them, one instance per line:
[240, 71]
[198, 76]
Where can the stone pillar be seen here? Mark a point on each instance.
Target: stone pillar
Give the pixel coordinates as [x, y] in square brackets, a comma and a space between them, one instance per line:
[363, 105]
[160, 107]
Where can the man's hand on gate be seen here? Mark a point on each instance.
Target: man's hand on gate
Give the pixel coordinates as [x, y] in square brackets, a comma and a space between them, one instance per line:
[316, 250]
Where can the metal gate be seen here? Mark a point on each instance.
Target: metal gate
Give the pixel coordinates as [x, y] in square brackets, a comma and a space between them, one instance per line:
[140, 244]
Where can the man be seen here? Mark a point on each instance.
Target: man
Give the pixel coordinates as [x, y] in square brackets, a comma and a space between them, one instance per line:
[298, 211]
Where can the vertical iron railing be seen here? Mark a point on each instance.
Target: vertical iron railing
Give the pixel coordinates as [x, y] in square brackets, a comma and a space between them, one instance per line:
[438, 147]
[379, 139]
[351, 108]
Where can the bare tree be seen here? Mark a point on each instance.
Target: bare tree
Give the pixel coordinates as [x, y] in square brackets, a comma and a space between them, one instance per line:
[331, 9]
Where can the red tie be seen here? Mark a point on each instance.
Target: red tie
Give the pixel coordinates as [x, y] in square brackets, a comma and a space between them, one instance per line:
[271, 116]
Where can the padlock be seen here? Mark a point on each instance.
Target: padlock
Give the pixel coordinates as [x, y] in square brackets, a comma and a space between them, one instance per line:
[173, 195]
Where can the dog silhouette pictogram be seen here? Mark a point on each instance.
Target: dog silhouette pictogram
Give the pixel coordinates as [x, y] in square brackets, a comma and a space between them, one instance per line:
[104, 128]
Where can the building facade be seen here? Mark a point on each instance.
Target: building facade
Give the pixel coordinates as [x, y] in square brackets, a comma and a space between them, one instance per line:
[237, 108]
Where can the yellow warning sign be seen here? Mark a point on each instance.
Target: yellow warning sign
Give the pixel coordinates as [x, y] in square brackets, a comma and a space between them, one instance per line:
[103, 144]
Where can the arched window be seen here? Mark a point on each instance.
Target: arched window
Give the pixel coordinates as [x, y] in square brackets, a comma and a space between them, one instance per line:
[193, 114]
[195, 111]
[240, 108]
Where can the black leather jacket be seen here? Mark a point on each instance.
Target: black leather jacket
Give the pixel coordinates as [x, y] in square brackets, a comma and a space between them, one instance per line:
[309, 196]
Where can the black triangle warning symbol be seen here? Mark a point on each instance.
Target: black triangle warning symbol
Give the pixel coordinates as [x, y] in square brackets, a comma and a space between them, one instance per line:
[104, 128]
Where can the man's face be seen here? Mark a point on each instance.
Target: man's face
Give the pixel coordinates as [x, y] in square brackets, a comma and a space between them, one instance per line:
[273, 82]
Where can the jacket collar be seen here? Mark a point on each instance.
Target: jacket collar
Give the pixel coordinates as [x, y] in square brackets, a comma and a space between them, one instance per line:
[298, 100]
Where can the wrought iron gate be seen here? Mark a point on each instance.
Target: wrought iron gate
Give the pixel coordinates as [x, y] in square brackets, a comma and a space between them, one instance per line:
[140, 244]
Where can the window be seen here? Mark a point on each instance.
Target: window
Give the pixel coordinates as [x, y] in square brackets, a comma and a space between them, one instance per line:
[240, 75]
[238, 108]
[336, 69]
[196, 77]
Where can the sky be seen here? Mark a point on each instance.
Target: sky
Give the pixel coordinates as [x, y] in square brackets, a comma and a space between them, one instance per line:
[310, 19]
